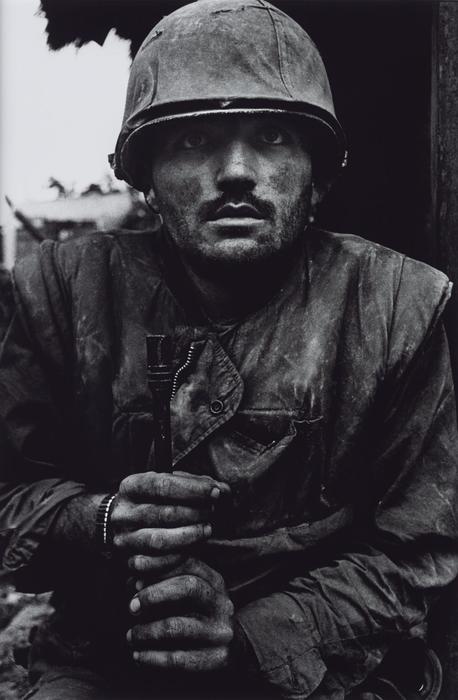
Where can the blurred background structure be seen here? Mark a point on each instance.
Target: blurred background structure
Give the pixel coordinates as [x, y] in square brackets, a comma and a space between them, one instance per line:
[70, 215]
[393, 65]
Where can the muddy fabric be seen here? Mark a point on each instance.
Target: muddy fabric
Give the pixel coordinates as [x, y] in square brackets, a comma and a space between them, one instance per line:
[77, 683]
[330, 411]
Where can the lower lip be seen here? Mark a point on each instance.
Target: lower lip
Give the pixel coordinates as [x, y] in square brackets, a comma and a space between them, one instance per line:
[236, 221]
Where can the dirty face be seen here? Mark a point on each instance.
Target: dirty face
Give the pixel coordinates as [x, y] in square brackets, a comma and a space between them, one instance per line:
[232, 190]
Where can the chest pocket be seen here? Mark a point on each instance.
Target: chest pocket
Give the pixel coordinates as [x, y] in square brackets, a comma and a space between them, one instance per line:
[273, 462]
[258, 431]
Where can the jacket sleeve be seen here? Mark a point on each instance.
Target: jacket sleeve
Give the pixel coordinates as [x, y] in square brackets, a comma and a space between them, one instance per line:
[34, 410]
[330, 627]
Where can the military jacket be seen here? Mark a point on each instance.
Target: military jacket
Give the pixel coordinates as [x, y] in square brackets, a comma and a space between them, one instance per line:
[329, 411]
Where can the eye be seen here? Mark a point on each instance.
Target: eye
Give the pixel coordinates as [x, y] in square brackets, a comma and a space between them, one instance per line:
[273, 136]
[193, 139]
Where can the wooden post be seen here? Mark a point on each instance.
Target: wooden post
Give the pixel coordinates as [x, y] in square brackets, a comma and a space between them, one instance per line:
[444, 156]
[443, 242]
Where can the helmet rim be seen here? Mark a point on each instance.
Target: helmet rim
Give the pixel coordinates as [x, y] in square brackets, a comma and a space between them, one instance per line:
[123, 161]
[225, 57]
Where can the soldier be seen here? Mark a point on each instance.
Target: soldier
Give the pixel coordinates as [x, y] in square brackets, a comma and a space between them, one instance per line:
[310, 517]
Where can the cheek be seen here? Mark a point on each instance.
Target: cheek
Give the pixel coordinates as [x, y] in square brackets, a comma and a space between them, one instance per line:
[282, 179]
[290, 180]
[178, 193]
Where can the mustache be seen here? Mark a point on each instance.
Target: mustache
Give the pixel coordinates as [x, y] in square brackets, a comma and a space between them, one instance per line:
[209, 210]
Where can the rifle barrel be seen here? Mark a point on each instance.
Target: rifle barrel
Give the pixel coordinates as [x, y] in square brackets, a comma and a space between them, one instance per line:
[160, 380]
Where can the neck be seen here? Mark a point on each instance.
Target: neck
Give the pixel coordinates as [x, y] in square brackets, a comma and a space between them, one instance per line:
[234, 291]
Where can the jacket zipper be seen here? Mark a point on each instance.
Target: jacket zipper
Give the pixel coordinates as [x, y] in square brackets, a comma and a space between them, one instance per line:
[182, 369]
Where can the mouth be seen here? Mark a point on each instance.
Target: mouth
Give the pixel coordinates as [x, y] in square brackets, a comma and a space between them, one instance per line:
[236, 212]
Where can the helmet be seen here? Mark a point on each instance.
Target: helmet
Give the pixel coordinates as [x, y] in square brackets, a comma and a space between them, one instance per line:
[225, 57]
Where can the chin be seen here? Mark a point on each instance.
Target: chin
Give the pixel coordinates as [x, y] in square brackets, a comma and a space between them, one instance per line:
[237, 249]
[238, 258]
[239, 252]
[242, 249]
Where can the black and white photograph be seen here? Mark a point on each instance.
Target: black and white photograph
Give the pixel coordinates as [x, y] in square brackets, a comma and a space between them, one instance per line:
[228, 350]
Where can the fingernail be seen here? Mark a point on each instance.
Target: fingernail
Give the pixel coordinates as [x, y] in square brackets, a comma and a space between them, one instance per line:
[135, 656]
[129, 636]
[134, 605]
[215, 493]
[138, 585]
[207, 530]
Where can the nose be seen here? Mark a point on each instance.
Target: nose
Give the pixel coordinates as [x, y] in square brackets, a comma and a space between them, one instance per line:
[236, 166]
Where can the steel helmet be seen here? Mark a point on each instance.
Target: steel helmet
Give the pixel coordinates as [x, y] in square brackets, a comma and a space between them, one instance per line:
[224, 57]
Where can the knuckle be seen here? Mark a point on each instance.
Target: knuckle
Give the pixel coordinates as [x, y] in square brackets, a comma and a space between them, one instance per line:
[190, 585]
[118, 516]
[216, 658]
[221, 633]
[194, 533]
[140, 563]
[218, 579]
[191, 566]
[173, 659]
[136, 634]
[127, 484]
[168, 514]
[227, 633]
[167, 562]
[168, 628]
[157, 540]
[162, 485]
[223, 655]
[224, 606]
[142, 515]
[115, 518]
[145, 596]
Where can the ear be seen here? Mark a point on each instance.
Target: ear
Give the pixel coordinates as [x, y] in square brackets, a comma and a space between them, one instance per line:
[151, 203]
[319, 191]
[150, 199]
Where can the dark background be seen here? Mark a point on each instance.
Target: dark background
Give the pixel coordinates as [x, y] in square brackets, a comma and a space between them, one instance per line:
[378, 59]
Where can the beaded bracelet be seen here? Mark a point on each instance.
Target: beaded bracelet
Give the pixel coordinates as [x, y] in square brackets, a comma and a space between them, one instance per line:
[102, 519]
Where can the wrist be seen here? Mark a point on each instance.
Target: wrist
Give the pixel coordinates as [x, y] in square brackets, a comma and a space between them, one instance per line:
[75, 523]
[103, 532]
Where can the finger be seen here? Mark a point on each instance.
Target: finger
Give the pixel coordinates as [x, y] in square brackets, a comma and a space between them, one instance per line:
[152, 515]
[152, 541]
[196, 660]
[186, 631]
[169, 488]
[173, 565]
[155, 565]
[221, 485]
[180, 593]
[196, 567]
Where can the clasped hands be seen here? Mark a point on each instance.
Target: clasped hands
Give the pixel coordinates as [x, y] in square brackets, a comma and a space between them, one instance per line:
[182, 610]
